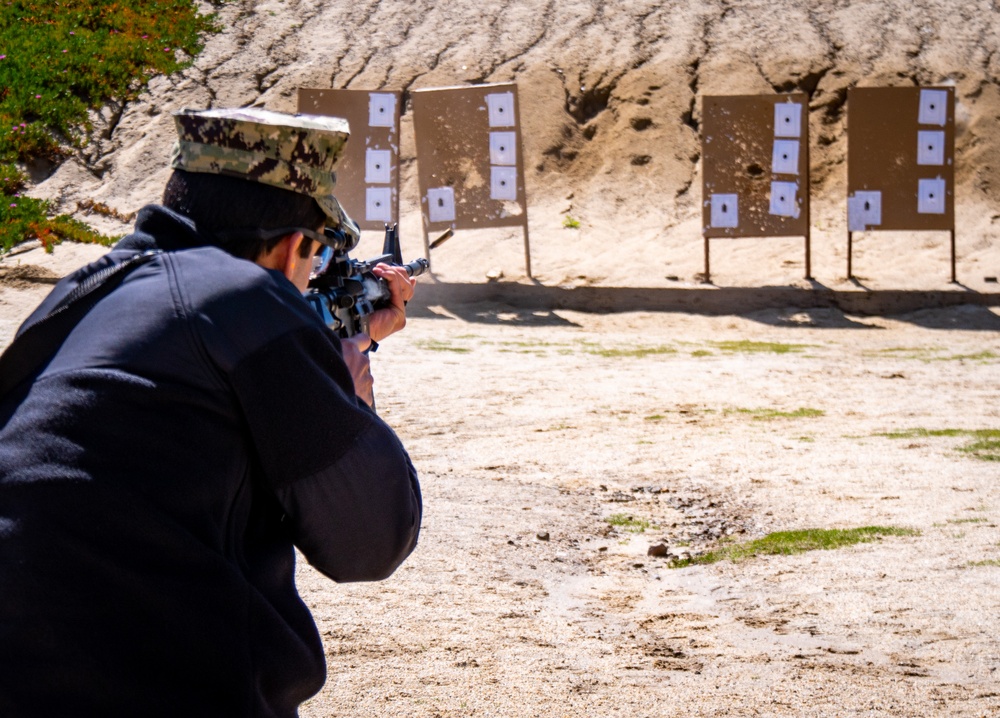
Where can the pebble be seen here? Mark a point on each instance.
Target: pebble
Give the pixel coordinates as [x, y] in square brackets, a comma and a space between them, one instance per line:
[657, 549]
[620, 497]
[544, 536]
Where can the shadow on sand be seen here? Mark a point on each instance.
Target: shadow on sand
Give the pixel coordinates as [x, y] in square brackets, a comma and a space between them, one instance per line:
[534, 304]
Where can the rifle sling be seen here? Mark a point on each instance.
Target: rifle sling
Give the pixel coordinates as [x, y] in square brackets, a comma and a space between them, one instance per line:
[38, 341]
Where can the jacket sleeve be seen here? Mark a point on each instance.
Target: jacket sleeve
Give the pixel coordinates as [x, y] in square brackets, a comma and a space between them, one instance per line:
[344, 479]
[358, 519]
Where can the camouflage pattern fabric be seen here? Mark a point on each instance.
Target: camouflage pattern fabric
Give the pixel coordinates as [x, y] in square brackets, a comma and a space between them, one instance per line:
[294, 152]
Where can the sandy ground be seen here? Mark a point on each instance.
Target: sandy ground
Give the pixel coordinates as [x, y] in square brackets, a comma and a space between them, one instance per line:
[532, 428]
[526, 425]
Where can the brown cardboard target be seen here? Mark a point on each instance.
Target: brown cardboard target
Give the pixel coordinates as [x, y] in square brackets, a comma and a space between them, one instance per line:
[901, 158]
[470, 163]
[368, 173]
[755, 168]
[755, 154]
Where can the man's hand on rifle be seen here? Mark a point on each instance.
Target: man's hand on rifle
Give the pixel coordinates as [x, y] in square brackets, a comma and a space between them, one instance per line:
[356, 358]
[392, 318]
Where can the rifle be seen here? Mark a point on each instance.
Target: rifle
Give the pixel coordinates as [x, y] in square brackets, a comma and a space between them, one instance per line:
[345, 292]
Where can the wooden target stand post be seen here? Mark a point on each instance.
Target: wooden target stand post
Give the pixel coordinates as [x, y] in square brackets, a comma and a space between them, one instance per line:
[755, 176]
[900, 162]
[368, 171]
[470, 164]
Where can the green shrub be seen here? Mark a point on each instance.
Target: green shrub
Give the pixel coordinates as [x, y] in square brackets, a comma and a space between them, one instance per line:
[59, 60]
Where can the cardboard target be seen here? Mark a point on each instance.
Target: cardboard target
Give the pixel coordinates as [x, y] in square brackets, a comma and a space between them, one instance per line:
[900, 161]
[755, 171]
[368, 173]
[469, 158]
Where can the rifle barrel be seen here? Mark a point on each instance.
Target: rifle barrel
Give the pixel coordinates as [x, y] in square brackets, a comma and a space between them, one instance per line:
[416, 267]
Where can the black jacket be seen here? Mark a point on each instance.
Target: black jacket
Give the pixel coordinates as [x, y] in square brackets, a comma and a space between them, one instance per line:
[194, 427]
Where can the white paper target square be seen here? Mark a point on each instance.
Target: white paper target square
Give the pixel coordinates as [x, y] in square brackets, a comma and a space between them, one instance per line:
[378, 204]
[503, 183]
[930, 147]
[381, 109]
[441, 204]
[783, 199]
[788, 119]
[864, 210]
[930, 196]
[378, 166]
[933, 107]
[725, 211]
[503, 148]
[785, 157]
[501, 109]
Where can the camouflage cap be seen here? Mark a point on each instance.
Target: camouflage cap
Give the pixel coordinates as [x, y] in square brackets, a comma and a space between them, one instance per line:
[294, 152]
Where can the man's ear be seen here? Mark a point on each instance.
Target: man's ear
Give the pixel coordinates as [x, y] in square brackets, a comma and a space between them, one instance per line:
[284, 256]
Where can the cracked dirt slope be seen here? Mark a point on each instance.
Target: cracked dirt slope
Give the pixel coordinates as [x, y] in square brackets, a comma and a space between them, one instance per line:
[611, 112]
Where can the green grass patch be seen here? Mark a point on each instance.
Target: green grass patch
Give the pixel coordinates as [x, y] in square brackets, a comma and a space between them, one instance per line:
[932, 354]
[995, 562]
[629, 523]
[632, 351]
[748, 347]
[570, 223]
[588, 347]
[984, 356]
[985, 445]
[786, 543]
[58, 62]
[920, 433]
[907, 352]
[968, 521]
[436, 345]
[771, 414]
[702, 353]
[985, 449]
[523, 347]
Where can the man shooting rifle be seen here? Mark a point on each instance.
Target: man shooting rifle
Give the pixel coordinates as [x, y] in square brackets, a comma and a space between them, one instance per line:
[175, 420]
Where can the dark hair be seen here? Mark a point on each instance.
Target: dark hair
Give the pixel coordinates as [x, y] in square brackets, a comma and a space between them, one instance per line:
[218, 203]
